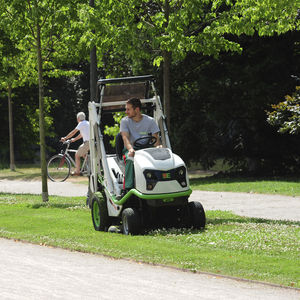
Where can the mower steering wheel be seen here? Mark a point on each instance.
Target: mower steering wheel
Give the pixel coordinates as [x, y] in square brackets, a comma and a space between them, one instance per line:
[144, 142]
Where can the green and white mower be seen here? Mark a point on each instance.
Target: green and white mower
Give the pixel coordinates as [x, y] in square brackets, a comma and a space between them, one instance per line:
[161, 192]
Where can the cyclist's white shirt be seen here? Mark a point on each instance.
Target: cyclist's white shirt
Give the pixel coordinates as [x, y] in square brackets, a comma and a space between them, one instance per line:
[84, 128]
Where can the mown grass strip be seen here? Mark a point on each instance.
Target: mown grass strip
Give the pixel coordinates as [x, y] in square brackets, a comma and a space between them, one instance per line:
[231, 245]
[282, 186]
[23, 172]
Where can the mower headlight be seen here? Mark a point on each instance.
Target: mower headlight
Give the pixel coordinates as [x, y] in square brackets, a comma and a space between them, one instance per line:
[180, 172]
[151, 179]
[150, 186]
[181, 176]
[149, 175]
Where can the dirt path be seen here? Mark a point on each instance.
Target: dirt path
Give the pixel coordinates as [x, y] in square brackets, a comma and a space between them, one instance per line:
[275, 207]
[36, 272]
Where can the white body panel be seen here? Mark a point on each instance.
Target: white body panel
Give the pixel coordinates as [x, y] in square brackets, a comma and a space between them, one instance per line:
[113, 209]
[144, 161]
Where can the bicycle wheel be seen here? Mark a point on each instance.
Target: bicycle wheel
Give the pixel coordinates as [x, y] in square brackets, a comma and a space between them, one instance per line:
[58, 168]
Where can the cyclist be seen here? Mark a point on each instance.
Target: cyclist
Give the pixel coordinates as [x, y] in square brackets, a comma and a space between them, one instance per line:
[83, 127]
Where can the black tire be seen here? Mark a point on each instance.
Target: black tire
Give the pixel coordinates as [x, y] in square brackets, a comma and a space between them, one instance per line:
[131, 221]
[100, 214]
[58, 168]
[197, 214]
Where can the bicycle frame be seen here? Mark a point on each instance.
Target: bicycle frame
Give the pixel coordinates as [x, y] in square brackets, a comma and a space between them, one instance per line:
[71, 160]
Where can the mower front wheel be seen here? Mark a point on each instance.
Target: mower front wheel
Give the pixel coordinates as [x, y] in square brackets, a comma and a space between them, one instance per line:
[197, 214]
[131, 221]
[99, 213]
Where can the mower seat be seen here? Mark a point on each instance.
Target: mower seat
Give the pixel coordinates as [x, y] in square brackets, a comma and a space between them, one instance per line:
[119, 146]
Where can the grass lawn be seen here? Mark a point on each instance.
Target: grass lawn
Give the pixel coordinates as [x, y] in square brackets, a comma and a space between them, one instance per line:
[283, 186]
[232, 245]
[32, 172]
[23, 172]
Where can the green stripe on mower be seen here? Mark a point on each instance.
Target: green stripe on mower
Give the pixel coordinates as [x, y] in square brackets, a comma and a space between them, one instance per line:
[169, 197]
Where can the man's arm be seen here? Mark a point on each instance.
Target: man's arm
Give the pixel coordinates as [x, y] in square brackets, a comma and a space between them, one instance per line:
[77, 137]
[127, 144]
[157, 144]
[69, 135]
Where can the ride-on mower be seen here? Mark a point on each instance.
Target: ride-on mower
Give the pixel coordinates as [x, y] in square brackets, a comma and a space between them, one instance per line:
[160, 195]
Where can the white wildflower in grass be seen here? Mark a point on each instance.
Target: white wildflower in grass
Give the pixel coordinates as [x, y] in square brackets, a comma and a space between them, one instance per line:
[77, 207]
[241, 236]
[4, 199]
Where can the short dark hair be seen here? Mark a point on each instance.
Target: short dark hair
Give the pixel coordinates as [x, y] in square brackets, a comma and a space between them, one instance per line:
[135, 102]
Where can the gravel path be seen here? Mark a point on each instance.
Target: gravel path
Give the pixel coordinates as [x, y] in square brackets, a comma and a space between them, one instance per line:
[36, 272]
[275, 207]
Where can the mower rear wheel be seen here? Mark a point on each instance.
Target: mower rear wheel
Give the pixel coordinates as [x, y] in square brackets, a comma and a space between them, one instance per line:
[131, 221]
[99, 213]
[197, 214]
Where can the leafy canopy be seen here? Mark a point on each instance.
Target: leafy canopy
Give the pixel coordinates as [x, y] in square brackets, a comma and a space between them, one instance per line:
[144, 29]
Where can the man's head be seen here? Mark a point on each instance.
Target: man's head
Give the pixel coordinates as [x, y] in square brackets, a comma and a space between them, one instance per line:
[133, 107]
[80, 116]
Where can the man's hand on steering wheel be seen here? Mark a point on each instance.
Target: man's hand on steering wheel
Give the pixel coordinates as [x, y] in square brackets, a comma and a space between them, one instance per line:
[144, 142]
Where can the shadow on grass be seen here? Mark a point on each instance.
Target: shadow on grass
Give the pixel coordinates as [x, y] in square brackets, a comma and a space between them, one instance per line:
[22, 176]
[56, 205]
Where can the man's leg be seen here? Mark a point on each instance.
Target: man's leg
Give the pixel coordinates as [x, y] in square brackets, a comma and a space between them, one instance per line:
[77, 162]
[129, 171]
[81, 152]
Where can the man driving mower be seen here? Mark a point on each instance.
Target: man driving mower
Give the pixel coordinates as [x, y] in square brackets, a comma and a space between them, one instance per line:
[134, 126]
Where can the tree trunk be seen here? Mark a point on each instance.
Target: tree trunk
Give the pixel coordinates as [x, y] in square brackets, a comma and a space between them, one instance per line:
[93, 74]
[166, 70]
[41, 118]
[93, 67]
[166, 78]
[11, 132]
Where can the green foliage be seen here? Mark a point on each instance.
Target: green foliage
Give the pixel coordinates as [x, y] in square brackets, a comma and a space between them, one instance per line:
[265, 17]
[144, 29]
[45, 36]
[115, 129]
[49, 104]
[286, 114]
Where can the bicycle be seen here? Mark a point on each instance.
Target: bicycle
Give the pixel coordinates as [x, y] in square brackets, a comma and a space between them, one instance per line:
[59, 165]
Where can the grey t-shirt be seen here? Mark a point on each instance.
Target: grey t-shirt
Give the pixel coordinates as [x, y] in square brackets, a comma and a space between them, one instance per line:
[138, 129]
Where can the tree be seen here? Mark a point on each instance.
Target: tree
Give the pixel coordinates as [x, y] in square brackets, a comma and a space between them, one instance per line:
[93, 65]
[7, 81]
[166, 30]
[42, 30]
